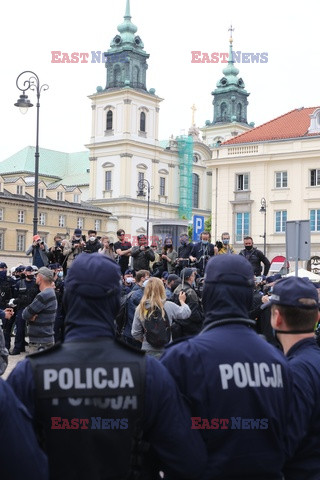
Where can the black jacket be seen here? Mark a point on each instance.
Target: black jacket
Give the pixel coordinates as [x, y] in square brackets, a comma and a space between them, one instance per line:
[255, 257]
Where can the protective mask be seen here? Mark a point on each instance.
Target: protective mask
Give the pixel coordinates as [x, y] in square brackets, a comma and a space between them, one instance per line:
[225, 241]
[77, 238]
[130, 280]
[3, 275]
[183, 242]
[248, 247]
[92, 239]
[145, 283]
[205, 242]
[60, 274]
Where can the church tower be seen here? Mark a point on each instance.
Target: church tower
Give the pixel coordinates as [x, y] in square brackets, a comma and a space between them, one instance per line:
[229, 105]
[126, 60]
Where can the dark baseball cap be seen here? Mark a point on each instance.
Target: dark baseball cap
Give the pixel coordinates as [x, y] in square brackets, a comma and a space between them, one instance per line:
[129, 271]
[142, 235]
[3, 265]
[294, 292]
[78, 231]
[172, 277]
[230, 270]
[187, 272]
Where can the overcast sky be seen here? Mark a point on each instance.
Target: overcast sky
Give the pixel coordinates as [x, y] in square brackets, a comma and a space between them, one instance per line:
[170, 29]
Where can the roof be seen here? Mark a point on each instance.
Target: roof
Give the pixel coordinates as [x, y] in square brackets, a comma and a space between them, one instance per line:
[293, 124]
[71, 168]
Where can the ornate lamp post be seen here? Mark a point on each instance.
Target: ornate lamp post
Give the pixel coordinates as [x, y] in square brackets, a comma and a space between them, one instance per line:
[263, 209]
[32, 83]
[144, 184]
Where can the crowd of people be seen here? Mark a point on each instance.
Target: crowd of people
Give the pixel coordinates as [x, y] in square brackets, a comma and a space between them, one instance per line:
[187, 364]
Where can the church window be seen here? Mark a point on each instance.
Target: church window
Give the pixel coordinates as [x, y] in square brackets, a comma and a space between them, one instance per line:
[195, 190]
[109, 120]
[108, 180]
[162, 186]
[223, 111]
[117, 74]
[142, 122]
[239, 112]
[136, 75]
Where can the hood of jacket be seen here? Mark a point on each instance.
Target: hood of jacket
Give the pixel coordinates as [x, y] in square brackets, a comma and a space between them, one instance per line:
[228, 288]
[91, 297]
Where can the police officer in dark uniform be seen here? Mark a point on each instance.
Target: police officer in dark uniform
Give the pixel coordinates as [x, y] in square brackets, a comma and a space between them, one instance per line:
[25, 290]
[98, 403]
[6, 293]
[239, 386]
[294, 312]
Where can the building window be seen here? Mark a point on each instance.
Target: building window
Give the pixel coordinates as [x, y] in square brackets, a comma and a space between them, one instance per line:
[60, 196]
[140, 179]
[80, 222]
[223, 111]
[20, 216]
[42, 218]
[315, 220]
[242, 181]
[41, 192]
[109, 120]
[62, 221]
[19, 189]
[1, 214]
[108, 179]
[76, 198]
[142, 122]
[242, 225]
[1, 240]
[281, 179]
[239, 112]
[314, 178]
[280, 220]
[162, 186]
[21, 242]
[195, 190]
[97, 225]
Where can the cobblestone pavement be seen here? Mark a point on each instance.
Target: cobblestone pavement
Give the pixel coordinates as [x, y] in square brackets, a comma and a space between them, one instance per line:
[13, 360]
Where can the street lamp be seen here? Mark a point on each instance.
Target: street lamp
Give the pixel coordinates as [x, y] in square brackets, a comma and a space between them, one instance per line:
[263, 209]
[24, 104]
[144, 184]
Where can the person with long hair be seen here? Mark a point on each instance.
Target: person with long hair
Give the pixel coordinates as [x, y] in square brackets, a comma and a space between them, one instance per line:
[106, 247]
[154, 298]
[169, 256]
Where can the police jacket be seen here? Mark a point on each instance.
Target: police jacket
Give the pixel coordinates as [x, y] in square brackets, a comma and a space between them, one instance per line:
[6, 291]
[20, 454]
[239, 387]
[25, 291]
[304, 461]
[255, 257]
[93, 399]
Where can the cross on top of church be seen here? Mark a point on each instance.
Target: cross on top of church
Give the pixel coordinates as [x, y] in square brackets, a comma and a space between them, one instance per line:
[194, 109]
[230, 29]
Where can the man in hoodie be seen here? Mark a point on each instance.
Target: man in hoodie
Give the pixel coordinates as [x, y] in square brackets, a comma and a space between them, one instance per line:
[95, 392]
[239, 386]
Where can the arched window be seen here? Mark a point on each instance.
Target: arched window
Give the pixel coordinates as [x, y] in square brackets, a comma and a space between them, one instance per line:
[195, 190]
[142, 122]
[223, 111]
[117, 75]
[239, 112]
[109, 120]
[136, 72]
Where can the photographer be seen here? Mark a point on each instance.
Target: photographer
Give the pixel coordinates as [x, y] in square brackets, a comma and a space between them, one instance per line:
[72, 249]
[142, 254]
[55, 254]
[107, 248]
[39, 251]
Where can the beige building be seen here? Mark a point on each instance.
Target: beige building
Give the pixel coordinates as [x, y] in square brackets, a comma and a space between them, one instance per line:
[279, 162]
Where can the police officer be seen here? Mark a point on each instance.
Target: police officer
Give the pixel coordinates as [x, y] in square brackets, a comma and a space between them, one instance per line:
[95, 392]
[239, 386]
[294, 313]
[20, 455]
[255, 257]
[6, 293]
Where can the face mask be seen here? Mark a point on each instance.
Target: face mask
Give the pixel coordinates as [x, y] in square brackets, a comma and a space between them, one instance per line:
[92, 239]
[248, 247]
[60, 274]
[77, 238]
[3, 275]
[225, 241]
[205, 242]
[183, 242]
[145, 283]
[130, 280]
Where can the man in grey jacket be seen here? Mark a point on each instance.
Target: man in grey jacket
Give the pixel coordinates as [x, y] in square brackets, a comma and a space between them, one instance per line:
[41, 313]
[142, 254]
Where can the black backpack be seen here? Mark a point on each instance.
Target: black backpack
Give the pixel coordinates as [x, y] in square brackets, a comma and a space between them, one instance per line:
[157, 329]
